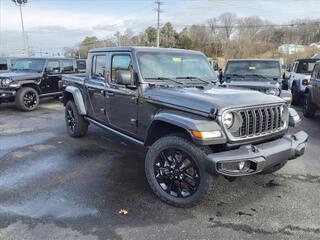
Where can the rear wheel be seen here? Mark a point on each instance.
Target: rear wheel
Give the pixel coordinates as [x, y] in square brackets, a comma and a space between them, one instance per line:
[27, 99]
[77, 126]
[309, 109]
[176, 171]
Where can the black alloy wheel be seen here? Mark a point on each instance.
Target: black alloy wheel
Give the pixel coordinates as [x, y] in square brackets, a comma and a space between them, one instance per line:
[176, 173]
[30, 100]
[71, 123]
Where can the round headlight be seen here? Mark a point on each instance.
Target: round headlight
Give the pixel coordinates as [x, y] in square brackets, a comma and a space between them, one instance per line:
[228, 120]
[5, 82]
[274, 92]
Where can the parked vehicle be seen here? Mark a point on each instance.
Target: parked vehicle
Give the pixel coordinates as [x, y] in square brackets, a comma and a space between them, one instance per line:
[312, 96]
[31, 78]
[300, 77]
[263, 75]
[81, 65]
[5, 64]
[164, 99]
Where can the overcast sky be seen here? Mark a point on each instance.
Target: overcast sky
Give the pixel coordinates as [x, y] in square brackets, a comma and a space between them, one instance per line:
[54, 24]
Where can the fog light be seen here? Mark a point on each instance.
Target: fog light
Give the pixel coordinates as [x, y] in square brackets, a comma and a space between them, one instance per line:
[235, 167]
[241, 165]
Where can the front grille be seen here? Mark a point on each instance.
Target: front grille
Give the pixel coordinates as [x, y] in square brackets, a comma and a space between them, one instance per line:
[258, 121]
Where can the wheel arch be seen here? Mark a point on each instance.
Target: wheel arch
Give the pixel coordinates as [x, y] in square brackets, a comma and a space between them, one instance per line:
[170, 121]
[74, 94]
[31, 85]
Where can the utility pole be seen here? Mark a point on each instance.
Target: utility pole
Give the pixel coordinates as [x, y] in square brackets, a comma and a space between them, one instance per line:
[21, 3]
[158, 24]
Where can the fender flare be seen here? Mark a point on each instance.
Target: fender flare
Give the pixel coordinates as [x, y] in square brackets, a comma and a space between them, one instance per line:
[77, 97]
[188, 122]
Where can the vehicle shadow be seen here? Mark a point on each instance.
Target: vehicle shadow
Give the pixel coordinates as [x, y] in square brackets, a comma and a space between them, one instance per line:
[83, 184]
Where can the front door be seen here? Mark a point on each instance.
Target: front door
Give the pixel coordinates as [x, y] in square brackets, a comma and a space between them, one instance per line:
[52, 75]
[95, 88]
[122, 104]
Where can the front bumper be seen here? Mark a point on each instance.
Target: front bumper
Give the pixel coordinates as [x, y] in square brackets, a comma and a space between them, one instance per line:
[6, 94]
[256, 158]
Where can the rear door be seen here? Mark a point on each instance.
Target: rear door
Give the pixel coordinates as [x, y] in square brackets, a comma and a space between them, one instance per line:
[122, 104]
[95, 87]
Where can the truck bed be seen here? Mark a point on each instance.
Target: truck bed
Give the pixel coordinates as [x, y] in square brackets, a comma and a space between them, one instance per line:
[78, 77]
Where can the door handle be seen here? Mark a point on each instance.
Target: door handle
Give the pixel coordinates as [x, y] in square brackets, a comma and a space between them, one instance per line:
[109, 93]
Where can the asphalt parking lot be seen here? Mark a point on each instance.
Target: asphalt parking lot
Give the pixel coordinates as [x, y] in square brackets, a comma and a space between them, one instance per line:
[56, 187]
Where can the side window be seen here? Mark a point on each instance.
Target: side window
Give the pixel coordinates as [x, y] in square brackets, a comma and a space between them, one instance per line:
[67, 65]
[294, 68]
[314, 72]
[98, 69]
[120, 63]
[53, 66]
[318, 71]
[81, 65]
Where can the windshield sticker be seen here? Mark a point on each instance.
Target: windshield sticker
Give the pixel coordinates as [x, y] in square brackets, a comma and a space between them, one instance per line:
[29, 62]
[176, 59]
[252, 68]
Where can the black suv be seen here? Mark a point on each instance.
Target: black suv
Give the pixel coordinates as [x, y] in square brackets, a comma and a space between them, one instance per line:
[31, 78]
[263, 75]
[312, 96]
[166, 100]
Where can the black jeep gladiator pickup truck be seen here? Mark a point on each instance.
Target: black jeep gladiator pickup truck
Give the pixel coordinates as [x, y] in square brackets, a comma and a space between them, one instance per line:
[263, 75]
[31, 78]
[167, 101]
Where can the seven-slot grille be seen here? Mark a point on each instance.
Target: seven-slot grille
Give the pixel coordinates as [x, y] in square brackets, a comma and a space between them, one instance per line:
[259, 121]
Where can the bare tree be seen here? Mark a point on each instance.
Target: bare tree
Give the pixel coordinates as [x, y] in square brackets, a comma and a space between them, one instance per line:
[228, 21]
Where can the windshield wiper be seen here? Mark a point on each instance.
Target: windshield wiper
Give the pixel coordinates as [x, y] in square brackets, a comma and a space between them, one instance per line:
[196, 78]
[164, 79]
[257, 75]
[235, 75]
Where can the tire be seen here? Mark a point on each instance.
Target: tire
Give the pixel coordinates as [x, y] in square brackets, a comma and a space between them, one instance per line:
[274, 168]
[309, 109]
[295, 95]
[27, 99]
[165, 172]
[77, 126]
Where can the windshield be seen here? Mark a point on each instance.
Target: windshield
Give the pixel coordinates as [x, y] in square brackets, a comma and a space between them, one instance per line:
[175, 65]
[306, 67]
[245, 68]
[29, 65]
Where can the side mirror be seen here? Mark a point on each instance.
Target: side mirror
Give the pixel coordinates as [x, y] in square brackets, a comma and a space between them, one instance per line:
[49, 70]
[124, 77]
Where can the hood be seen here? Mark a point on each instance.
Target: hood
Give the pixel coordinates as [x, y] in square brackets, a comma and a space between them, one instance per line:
[209, 100]
[253, 85]
[19, 76]
[303, 76]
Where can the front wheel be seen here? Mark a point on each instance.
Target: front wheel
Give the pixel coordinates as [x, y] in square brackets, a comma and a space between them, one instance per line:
[77, 126]
[176, 171]
[27, 99]
[309, 109]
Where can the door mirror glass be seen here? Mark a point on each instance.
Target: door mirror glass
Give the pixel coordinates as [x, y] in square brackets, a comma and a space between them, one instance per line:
[124, 77]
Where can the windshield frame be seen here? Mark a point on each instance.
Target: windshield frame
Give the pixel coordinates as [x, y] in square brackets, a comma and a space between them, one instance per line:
[173, 52]
[264, 77]
[29, 59]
